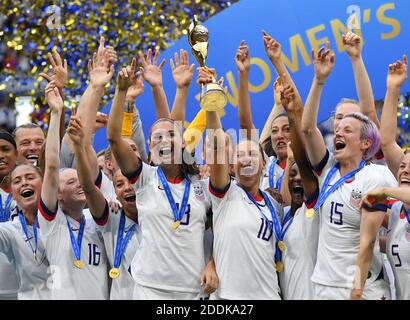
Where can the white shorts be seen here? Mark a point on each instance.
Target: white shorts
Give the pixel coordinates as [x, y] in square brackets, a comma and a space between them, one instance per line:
[378, 290]
[147, 293]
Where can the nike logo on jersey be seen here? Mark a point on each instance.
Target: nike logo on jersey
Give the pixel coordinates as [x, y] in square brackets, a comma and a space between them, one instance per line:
[27, 240]
[160, 188]
[388, 231]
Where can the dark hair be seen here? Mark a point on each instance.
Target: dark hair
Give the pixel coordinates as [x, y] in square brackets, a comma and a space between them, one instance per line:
[107, 154]
[4, 135]
[101, 153]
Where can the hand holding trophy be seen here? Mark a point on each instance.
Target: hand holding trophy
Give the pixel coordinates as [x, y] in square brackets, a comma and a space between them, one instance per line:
[213, 96]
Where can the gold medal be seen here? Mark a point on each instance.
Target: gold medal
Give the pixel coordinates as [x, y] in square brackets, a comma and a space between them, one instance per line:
[310, 213]
[279, 266]
[176, 224]
[282, 246]
[114, 273]
[79, 264]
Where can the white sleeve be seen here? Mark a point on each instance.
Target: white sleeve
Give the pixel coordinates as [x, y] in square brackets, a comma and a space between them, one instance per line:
[142, 175]
[218, 196]
[6, 240]
[48, 220]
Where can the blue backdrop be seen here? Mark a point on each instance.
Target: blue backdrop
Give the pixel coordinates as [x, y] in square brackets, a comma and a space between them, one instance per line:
[298, 25]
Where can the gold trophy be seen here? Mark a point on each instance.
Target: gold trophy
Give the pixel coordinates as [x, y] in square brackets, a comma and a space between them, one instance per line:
[213, 96]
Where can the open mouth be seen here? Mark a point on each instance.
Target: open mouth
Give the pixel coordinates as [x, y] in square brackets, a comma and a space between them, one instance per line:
[33, 158]
[339, 145]
[166, 151]
[281, 144]
[3, 164]
[248, 170]
[131, 198]
[405, 182]
[298, 190]
[27, 193]
[80, 193]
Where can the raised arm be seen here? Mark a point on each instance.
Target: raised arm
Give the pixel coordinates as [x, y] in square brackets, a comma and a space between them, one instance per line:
[52, 157]
[182, 73]
[243, 64]
[353, 46]
[315, 145]
[277, 109]
[95, 198]
[393, 154]
[218, 163]
[123, 153]
[370, 224]
[379, 196]
[273, 50]
[132, 124]
[153, 75]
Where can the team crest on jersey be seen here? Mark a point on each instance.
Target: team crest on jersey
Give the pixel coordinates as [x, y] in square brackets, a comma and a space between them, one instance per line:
[199, 192]
[355, 198]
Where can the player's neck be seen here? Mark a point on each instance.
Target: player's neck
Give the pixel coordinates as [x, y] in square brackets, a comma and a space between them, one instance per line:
[30, 215]
[294, 207]
[349, 165]
[131, 214]
[172, 171]
[253, 190]
[73, 211]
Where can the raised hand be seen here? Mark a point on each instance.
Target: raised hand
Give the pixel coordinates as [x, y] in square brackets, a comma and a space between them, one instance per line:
[53, 98]
[323, 62]
[150, 71]
[272, 47]
[242, 58]
[109, 50]
[59, 70]
[126, 77]
[101, 121]
[288, 97]
[277, 89]
[136, 89]
[181, 70]
[352, 44]
[100, 73]
[75, 131]
[397, 73]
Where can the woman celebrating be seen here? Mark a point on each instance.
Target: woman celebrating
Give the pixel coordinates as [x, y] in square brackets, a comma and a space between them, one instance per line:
[72, 243]
[343, 179]
[246, 221]
[172, 208]
[398, 226]
[8, 158]
[120, 232]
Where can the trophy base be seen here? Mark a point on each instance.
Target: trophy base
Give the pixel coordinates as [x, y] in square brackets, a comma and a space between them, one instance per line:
[213, 97]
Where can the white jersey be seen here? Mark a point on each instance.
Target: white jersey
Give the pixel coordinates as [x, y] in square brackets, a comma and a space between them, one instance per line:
[278, 173]
[8, 277]
[244, 246]
[69, 282]
[339, 237]
[32, 274]
[299, 258]
[122, 288]
[168, 259]
[106, 186]
[398, 251]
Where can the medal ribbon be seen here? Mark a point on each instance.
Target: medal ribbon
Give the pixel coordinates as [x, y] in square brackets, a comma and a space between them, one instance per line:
[272, 176]
[25, 230]
[177, 215]
[288, 218]
[76, 244]
[122, 242]
[324, 194]
[274, 224]
[5, 212]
